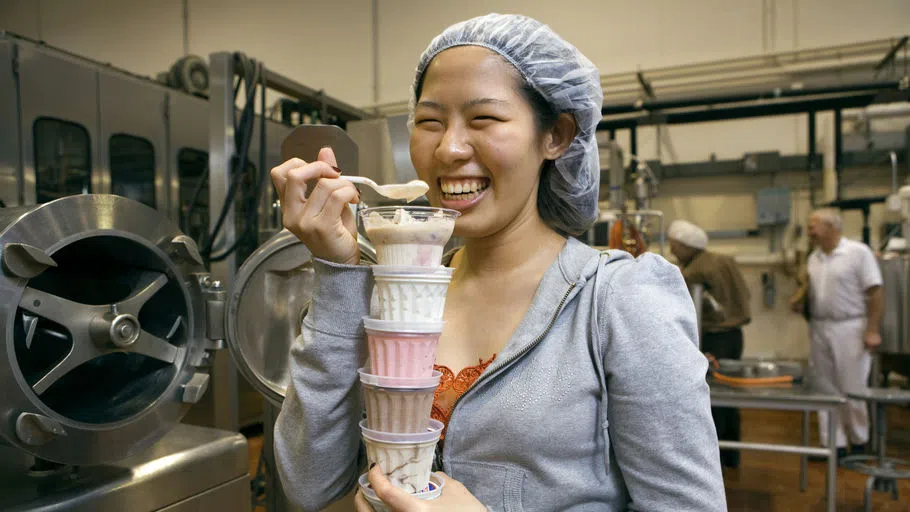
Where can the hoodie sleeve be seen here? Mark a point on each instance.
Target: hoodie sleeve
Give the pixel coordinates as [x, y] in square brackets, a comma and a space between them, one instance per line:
[317, 442]
[658, 403]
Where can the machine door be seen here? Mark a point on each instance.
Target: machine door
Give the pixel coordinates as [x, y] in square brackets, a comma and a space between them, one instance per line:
[270, 296]
[106, 319]
[133, 136]
[9, 120]
[59, 126]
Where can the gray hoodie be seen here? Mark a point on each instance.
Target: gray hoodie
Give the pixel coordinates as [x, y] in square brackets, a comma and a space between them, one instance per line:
[597, 402]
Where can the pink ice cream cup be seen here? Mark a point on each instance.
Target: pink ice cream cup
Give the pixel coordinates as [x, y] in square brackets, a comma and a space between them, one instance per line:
[402, 349]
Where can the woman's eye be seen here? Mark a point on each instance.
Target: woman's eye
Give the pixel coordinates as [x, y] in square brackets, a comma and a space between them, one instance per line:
[426, 121]
[486, 118]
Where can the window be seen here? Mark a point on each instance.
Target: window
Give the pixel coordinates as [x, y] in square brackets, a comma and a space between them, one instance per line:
[63, 163]
[132, 163]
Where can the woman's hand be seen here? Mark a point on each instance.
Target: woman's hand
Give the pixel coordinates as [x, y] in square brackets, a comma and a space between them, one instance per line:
[454, 496]
[322, 220]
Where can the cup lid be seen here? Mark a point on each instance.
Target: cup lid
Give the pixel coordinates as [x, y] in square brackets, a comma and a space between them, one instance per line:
[411, 270]
[400, 382]
[433, 490]
[418, 212]
[394, 326]
[434, 429]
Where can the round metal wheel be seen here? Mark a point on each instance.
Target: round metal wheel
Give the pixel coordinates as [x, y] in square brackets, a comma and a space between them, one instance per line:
[102, 321]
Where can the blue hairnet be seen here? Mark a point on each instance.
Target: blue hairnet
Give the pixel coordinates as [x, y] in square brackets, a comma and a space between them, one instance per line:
[567, 80]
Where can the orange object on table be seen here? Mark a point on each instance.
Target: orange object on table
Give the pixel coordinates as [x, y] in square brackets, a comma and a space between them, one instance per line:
[627, 238]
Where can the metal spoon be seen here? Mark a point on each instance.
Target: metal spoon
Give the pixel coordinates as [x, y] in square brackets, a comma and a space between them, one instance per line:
[408, 191]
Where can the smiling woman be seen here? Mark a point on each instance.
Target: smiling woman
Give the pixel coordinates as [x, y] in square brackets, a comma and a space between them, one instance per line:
[591, 393]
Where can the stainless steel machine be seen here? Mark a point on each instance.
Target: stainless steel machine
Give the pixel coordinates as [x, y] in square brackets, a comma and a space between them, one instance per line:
[108, 321]
[896, 317]
[109, 313]
[895, 267]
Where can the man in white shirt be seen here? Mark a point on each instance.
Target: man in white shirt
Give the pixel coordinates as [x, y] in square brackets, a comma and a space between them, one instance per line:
[845, 307]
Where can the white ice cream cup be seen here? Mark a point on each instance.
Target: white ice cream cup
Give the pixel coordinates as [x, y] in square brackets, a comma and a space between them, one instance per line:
[433, 491]
[411, 294]
[396, 404]
[406, 459]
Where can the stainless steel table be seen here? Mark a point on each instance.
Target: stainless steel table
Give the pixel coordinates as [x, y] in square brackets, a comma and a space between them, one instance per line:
[791, 398]
[883, 471]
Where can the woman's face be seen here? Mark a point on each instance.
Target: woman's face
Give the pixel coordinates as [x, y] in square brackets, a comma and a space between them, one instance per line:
[475, 141]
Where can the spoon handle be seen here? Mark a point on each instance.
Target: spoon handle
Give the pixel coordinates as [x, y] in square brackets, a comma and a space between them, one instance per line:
[359, 179]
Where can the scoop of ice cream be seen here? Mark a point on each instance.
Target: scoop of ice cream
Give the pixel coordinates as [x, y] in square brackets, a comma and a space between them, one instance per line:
[402, 227]
[409, 235]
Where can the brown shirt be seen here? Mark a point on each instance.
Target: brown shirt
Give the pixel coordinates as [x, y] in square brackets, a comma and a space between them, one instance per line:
[721, 277]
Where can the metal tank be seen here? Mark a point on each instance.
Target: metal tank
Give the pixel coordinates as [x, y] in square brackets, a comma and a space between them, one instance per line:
[896, 316]
[895, 267]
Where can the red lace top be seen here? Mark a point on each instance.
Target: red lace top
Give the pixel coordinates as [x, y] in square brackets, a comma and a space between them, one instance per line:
[451, 387]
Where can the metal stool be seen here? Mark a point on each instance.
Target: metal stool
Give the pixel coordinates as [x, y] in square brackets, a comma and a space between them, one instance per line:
[884, 472]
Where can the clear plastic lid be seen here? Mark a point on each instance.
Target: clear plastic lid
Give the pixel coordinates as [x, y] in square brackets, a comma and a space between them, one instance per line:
[393, 326]
[433, 490]
[400, 382]
[434, 429]
[411, 270]
[408, 214]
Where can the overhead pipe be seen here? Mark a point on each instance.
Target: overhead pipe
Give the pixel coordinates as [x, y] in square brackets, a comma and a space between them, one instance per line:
[753, 71]
[874, 49]
[838, 152]
[810, 74]
[743, 110]
[698, 101]
[811, 163]
[887, 111]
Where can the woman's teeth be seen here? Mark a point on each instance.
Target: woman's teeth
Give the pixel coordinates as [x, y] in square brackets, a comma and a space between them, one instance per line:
[462, 190]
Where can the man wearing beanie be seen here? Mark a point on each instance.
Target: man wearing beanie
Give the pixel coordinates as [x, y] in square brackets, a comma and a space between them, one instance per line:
[721, 335]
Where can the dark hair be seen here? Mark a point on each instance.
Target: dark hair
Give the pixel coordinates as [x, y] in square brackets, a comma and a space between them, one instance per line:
[545, 117]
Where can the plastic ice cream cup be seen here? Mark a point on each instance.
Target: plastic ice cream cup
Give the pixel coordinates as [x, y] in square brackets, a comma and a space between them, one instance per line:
[406, 459]
[402, 349]
[396, 404]
[405, 294]
[409, 235]
[433, 491]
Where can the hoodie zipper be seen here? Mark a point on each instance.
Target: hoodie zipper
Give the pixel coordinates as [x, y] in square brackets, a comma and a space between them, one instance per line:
[439, 458]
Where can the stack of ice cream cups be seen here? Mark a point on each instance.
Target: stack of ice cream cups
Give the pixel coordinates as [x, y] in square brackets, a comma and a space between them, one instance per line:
[399, 383]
